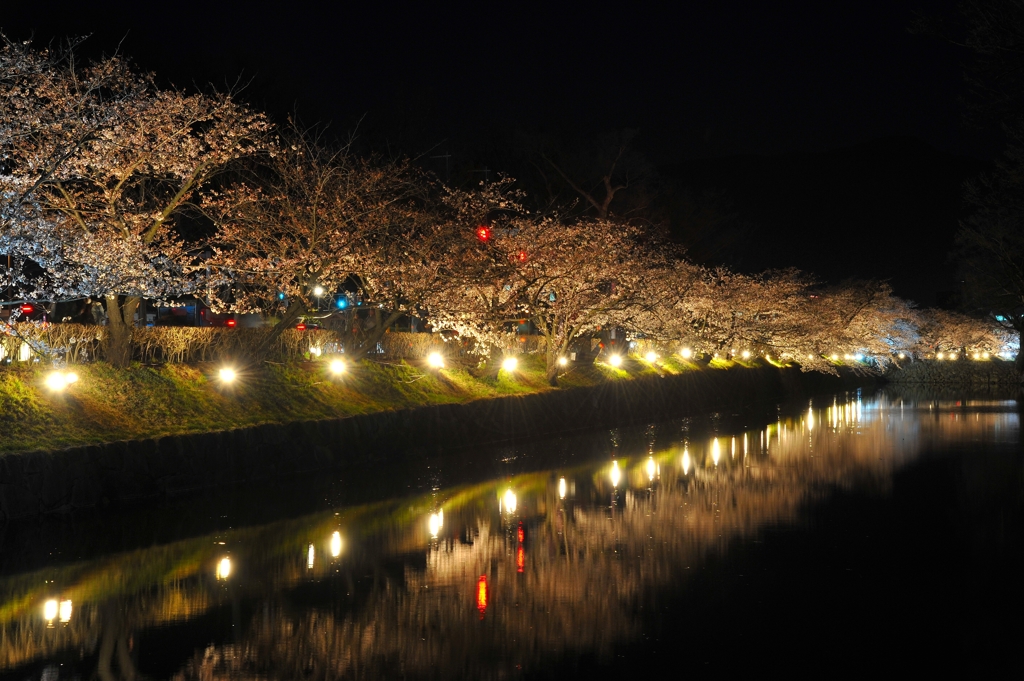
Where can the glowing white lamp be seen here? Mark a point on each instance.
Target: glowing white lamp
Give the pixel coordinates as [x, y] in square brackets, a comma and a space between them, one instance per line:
[318, 291]
[50, 609]
[337, 367]
[746, 354]
[651, 356]
[615, 360]
[224, 568]
[562, 361]
[687, 353]
[435, 360]
[509, 364]
[227, 375]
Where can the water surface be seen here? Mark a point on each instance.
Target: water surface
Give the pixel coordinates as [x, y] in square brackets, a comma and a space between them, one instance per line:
[876, 533]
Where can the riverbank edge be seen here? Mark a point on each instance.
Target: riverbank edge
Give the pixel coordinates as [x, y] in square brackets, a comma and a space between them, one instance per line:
[46, 482]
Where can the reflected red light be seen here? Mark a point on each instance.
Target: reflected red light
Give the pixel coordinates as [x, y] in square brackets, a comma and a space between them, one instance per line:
[300, 327]
[483, 233]
[481, 595]
[521, 533]
[27, 309]
[520, 558]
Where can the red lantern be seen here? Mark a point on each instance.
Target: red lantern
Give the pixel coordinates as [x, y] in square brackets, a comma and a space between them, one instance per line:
[230, 323]
[27, 309]
[300, 326]
[483, 233]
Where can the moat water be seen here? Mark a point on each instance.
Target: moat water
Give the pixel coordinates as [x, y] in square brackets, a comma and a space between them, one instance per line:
[860, 532]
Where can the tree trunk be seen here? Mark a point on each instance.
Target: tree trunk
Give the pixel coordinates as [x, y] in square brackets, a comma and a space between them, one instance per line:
[371, 339]
[295, 309]
[120, 325]
[551, 355]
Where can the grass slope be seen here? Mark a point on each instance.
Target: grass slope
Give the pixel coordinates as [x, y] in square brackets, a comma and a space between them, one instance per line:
[109, 404]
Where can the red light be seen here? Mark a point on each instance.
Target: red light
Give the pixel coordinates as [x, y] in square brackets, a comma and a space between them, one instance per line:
[520, 559]
[521, 533]
[483, 233]
[231, 322]
[521, 256]
[27, 309]
[300, 326]
[481, 595]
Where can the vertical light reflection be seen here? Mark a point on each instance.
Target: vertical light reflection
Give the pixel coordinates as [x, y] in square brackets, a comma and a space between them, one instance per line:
[224, 568]
[810, 418]
[510, 500]
[336, 544]
[434, 524]
[716, 452]
[616, 474]
[64, 612]
[651, 469]
[50, 611]
[686, 460]
[310, 555]
[561, 488]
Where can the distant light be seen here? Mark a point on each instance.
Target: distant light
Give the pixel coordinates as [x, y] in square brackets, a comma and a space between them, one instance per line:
[746, 354]
[50, 609]
[562, 361]
[902, 356]
[984, 355]
[810, 356]
[651, 356]
[483, 233]
[434, 524]
[835, 357]
[230, 323]
[435, 360]
[227, 375]
[977, 355]
[847, 357]
[224, 568]
[342, 303]
[336, 544]
[509, 364]
[27, 309]
[858, 357]
[318, 291]
[938, 355]
[616, 474]
[651, 468]
[615, 360]
[64, 612]
[310, 555]
[337, 367]
[301, 326]
[280, 296]
[687, 353]
[315, 350]
[510, 500]
[561, 488]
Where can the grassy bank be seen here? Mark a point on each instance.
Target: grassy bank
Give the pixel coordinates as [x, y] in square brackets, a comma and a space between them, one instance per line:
[109, 404]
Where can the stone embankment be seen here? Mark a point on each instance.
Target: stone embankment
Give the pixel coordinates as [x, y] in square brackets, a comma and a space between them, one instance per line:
[33, 483]
[958, 373]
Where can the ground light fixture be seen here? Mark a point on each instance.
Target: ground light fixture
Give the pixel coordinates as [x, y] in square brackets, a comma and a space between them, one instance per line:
[227, 375]
[57, 381]
[615, 360]
[687, 353]
[509, 364]
[746, 354]
[318, 291]
[435, 360]
[651, 356]
[562, 361]
[337, 367]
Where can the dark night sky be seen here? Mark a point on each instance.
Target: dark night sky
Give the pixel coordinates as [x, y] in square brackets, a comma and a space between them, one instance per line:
[722, 79]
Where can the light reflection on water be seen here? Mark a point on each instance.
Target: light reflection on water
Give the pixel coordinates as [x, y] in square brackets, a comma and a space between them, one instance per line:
[477, 580]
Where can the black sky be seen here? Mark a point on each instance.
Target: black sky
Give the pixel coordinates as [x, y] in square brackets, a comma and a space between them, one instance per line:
[698, 79]
[713, 80]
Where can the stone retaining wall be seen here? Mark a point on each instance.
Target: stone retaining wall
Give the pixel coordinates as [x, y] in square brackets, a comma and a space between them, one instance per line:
[960, 372]
[34, 483]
